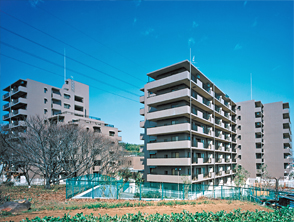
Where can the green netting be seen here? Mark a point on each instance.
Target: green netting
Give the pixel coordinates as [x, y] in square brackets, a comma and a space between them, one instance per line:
[100, 186]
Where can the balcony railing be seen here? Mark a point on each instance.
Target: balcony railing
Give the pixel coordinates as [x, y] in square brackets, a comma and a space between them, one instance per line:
[6, 116]
[6, 95]
[6, 105]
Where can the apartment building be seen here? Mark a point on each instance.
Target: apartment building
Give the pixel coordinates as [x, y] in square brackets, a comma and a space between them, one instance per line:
[29, 98]
[189, 128]
[264, 138]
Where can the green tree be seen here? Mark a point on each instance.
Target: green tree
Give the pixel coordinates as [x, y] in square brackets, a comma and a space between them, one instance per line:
[126, 174]
[241, 176]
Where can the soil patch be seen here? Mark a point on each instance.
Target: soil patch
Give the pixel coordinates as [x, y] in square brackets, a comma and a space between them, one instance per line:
[213, 206]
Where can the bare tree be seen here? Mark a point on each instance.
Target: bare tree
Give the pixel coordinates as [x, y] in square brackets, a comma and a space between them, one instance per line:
[61, 149]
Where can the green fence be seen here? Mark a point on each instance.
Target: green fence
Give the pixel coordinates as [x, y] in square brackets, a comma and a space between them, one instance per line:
[99, 186]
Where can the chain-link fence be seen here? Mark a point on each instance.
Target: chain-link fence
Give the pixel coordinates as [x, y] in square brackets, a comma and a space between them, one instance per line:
[99, 186]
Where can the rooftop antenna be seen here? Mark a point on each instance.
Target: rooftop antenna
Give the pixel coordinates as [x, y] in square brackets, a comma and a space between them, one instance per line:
[251, 84]
[64, 65]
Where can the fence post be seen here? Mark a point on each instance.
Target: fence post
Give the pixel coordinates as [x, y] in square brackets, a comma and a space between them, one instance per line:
[183, 191]
[221, 191]
[73, 188]
[203, 189]
[117, 190]
[92, 190]
[162, 191]
[140, 191]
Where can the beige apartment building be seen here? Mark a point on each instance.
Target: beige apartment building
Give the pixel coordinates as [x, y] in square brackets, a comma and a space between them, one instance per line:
[264, 138]
[189, 128]
[27, 98]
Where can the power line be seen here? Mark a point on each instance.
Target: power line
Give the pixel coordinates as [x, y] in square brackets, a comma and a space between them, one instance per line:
[45, 47]
[71, 46]
[89, 36]
[23, 51]
[62, 76]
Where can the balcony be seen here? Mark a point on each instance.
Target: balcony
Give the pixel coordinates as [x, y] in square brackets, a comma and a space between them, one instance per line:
[142, 136]
[220, 173]
[220, 160]
[18, 91]
[142, 123]
[5, 96]
[19, 112]
[167, 178]
[203, 161]
[6, 107]
[170, 80]
[228, 171]
[56, 106]
[142, 111]
[142, 99]
[79, 103]
[176, 128]
[169, 145]
[169, 113]
[258, 160]
[286, 141]
[168, 161]
[286, 111]
[258, 140]
[17, 123]
[258, 130]
[16, 103]
[169, 97]
[6, 116]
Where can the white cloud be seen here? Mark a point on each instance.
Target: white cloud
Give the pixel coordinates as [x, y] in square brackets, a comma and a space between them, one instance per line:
[147, 32]
[35, 2]
[238, 46]
[195, 25]
[245, 3]
[191, 41]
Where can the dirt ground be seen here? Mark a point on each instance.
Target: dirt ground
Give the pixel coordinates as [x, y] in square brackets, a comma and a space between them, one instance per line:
[48, 203]
[214, 206]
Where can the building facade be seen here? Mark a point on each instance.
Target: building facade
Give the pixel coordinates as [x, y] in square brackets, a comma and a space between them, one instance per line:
[264, 138]
[189, 128]
[27, 98]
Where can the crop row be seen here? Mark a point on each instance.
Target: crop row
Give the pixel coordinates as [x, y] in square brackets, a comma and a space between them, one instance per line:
[283, 214]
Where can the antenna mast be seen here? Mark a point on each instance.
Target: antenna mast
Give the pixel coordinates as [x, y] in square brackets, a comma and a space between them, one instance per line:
[251, 84]
[64, 65]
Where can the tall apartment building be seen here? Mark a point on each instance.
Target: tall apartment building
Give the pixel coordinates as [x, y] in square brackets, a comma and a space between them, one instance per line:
[190, 128]
[69, 104]
[264, 138]
[29, 98]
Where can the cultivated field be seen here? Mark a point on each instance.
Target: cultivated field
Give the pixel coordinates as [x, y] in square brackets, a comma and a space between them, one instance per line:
[53, 203]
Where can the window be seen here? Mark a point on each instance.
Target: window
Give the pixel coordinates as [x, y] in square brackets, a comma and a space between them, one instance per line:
[165, 172]
[239, 108]
[175, 138]
[66, 82]
[97, 162]
[45, 90]
[45, 101]
[97, 129]
[67, 106]
[45, 111]
[66, 96]
[152, 170]
[129, 162]
[239, 117]
[239, 127]
[173, 122]
[175, 155]
[111, 133]
[152, 156]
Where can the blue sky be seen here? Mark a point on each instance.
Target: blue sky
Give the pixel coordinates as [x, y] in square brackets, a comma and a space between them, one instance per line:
[127, 39]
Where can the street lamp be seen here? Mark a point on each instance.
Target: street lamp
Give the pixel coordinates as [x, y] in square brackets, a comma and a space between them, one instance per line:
[178, 182]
